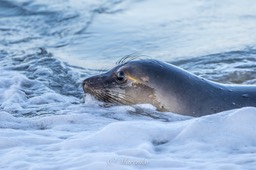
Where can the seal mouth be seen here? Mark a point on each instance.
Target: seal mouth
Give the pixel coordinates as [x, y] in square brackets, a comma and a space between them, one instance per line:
[104, 94]
[85, 86]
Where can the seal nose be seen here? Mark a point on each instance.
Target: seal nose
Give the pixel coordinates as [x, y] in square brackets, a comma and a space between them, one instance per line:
[86, 83]
[92, 83]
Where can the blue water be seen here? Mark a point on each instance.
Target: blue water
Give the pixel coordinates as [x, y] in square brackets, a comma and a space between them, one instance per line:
[47, 48]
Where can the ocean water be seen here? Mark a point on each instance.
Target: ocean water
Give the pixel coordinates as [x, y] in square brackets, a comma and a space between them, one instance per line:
[48, 47]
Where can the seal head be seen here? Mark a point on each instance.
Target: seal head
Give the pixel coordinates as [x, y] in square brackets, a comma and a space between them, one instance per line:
[127, 84]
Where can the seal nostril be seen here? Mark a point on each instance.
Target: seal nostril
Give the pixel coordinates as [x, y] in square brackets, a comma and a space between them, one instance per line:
[87, 83]
[84, 82]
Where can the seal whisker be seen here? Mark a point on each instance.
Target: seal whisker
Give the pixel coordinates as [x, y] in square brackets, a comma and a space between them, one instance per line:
[126, 59]
[113, 100]
[118, 94]
[119, 98]
[98, 95]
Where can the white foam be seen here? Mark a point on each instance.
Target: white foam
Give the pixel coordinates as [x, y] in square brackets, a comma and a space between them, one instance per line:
[91, 141]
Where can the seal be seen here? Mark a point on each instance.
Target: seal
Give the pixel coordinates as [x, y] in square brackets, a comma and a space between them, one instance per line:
[168, 88]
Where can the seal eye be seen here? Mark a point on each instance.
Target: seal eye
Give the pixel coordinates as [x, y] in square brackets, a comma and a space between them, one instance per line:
[120, 77]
